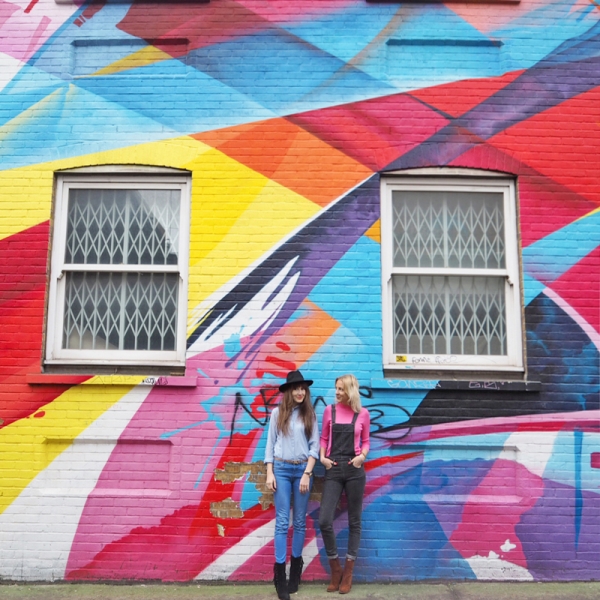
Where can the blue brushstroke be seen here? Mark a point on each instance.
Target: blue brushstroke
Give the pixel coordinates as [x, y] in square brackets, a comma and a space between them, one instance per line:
[282, 71]
[548, 258]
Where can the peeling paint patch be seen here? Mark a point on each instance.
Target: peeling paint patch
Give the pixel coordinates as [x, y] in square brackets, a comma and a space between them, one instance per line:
[227, 509]
[256, 473]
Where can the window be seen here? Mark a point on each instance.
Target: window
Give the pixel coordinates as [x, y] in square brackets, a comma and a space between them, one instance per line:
[118, 286]
[451, 296]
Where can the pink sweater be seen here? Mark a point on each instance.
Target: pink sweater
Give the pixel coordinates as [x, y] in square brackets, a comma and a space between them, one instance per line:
[344, 414]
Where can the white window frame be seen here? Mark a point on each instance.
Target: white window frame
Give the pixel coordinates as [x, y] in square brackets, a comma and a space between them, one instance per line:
[448, 179]
[114, 178]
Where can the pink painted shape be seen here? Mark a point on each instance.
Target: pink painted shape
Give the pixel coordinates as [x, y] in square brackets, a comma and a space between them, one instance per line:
[582, 420]
[7, 9]
[119, 518]
[284, 11]
[580, 288]
[23, 33]
[260, 565]
[487, 524]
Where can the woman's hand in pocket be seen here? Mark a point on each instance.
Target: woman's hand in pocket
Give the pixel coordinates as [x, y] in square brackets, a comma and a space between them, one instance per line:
[358, 461]
[327, 463]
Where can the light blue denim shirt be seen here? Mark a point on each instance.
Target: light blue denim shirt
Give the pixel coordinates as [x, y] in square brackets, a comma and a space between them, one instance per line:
[294, 445]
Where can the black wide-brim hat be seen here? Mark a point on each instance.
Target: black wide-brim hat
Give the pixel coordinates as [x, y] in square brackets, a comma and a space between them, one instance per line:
[294, 378]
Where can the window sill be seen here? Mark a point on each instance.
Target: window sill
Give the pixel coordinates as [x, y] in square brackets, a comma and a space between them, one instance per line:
[450, 384]
[92, 379]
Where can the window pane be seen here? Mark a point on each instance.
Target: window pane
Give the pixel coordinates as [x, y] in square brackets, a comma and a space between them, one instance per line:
[120, 311]
[448, 229]
[113, 227]
[449, 315]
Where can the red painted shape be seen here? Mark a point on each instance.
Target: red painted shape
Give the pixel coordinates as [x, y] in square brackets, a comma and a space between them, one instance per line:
[263, 403]
[23, 265]
[260, 373]
[545, 205]
[30, 6]
[168, 552]
[373, 132]
[283, 346]
[459, 97]
[580, 287]
[370, 465]
[184, 542]
[201, 24]
[22, 296]
[595, 460]
[284, 364]
[40, 414]
[562, 143]
[93, 7]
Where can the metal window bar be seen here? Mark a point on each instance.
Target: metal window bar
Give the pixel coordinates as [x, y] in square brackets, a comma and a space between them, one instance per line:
[122, 308]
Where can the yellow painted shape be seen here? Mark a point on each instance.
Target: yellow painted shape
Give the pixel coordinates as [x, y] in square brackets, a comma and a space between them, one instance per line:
[374, 232]
[274, 213]
[237, 213]
[142, 58]
[222, 190]
[129, 380]
[25, 450]
[26, 192]
[593, 212]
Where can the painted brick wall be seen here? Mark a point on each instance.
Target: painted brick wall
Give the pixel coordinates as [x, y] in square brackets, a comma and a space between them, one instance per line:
[286, 114]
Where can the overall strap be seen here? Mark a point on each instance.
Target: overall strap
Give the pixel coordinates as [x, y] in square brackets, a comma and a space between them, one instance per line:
[333, 413]
[354, 419]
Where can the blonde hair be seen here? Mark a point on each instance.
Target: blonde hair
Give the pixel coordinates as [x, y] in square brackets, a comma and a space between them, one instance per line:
[350, 385]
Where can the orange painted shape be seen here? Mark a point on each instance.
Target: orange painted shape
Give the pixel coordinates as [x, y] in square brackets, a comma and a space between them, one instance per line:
[303, 336]
[292, 157]
[495, 15]
[459, 97]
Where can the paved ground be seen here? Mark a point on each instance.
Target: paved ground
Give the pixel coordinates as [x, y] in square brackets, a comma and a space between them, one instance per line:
[414, 591]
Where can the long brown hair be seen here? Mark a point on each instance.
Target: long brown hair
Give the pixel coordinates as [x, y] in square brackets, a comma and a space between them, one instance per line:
[286, 407]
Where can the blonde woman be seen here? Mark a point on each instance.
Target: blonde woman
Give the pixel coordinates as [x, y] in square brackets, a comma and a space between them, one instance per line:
[343, 451]
[290, 456]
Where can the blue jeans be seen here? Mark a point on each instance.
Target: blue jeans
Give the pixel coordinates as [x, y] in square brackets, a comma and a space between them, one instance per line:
[287, 481]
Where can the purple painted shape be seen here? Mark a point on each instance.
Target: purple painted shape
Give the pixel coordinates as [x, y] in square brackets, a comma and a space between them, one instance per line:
[548, 535]
[574, 68]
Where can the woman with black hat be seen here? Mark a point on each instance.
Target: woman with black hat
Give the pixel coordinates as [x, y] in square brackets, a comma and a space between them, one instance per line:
[291, 453]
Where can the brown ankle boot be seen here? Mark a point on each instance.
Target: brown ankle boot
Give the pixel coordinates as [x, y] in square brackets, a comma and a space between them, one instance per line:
[336, 574]
[346, 584]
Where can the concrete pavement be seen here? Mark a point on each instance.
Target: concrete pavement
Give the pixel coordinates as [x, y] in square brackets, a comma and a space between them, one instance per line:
[475, 590]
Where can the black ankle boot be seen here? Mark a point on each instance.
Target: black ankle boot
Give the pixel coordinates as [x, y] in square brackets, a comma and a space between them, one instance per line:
[295, 574]
[280, 581]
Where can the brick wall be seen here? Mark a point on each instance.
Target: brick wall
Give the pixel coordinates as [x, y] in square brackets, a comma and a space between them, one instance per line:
[286, 114]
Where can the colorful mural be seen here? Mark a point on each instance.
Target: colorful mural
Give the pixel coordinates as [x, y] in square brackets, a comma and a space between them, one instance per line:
[286, 113]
